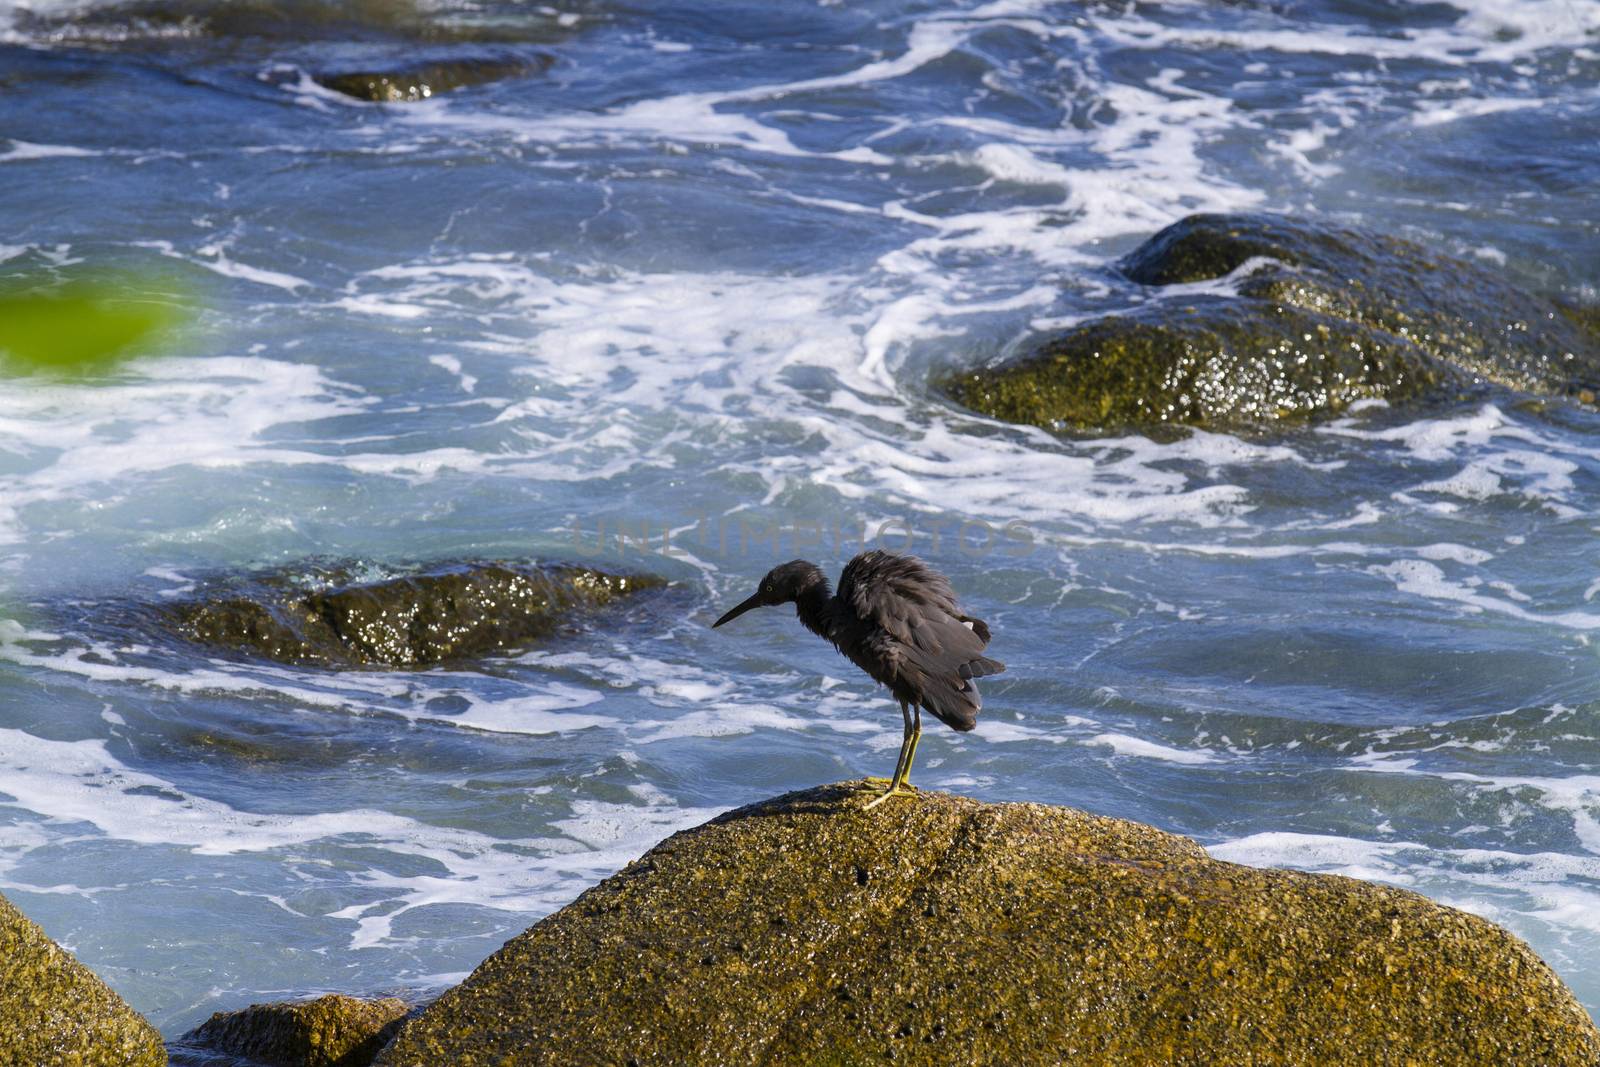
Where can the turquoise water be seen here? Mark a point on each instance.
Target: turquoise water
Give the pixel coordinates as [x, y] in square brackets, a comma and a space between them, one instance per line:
[690, 283]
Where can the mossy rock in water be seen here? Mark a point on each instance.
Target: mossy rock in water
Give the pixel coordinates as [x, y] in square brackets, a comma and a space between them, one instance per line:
[415, 620]
[54, 1010]
[331, 1031]
[423, 82]
[1213, 362]
[1324, 316]
[175, 23]
[1586, 317]
[941, 930]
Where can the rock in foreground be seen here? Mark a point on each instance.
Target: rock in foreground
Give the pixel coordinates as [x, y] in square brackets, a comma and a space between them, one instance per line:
[940, 930]
[1320, 316]
[330, 618]
[331, 1031]
[54, 1010]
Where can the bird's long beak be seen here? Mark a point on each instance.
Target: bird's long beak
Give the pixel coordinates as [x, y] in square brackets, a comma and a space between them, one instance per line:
[753, 602]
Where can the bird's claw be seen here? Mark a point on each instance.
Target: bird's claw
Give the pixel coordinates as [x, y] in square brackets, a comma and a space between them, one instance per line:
[905, 789]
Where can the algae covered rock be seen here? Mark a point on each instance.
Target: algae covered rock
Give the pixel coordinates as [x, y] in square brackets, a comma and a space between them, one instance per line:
[941, 930]
[1214, 362]
[1322, 316]
[329, 617]
[54, 1010]
[331, 1031]
[413, 83]
[1586, 317]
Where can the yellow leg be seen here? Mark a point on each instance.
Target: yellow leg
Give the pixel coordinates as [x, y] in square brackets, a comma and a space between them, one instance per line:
[898, 785]
[905, 741]
[916, 736]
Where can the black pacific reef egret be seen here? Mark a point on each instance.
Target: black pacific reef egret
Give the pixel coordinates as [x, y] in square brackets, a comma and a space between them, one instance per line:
[896, 618]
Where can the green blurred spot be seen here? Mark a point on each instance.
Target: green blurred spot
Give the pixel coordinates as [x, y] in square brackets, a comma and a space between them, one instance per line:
[81, 327]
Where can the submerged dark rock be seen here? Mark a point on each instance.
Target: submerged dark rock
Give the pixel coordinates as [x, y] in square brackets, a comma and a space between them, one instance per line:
[412, 83]
[1324, 316]
[331, 619]
[940, 930]
[386, 51]
[331, 1031]
[54, 1010]
[1586, 317]
[121, 23]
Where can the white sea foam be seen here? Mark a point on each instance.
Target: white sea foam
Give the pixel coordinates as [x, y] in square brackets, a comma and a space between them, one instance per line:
[1498, 456]
[82, 786]
[28, 150]
[1577, 795]
[1433, 113]
[1125, 745]
[213, 256]
[1424, 579]
[690, 344]
[1455, 553]
[1487, 32]
[1371, 860]
[211, 413]
[1504, 32]
[452, 365]
[546, 712]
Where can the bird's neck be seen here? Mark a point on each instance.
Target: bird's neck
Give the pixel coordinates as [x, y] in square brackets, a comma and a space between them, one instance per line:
[812, 605]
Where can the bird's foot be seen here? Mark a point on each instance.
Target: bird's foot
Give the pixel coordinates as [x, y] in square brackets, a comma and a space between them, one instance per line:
[904, 789]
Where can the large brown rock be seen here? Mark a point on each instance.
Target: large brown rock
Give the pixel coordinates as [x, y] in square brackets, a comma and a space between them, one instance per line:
[330, 1031]
[55, 1011]
[941, 930]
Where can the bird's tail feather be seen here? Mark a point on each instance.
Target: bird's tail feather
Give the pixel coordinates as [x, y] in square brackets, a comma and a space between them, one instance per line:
[956, 708]
[981, 667]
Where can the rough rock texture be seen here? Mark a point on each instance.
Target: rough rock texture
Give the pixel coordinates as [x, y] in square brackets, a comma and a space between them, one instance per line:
[331, 1031]
[1216, 362]
[415, 620]
[940, 930]
[415, 83]
[1324, 316]
[53, 1010]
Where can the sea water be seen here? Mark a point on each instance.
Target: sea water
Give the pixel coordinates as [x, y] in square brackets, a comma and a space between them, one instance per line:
[673, 305]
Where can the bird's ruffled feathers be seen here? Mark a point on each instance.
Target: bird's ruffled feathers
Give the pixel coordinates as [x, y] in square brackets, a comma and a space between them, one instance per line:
[934, 649]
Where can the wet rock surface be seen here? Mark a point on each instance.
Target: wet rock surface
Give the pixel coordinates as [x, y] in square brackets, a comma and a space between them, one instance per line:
[54, 1010]
[409, 84]
[331, 1031]
[329, 617]
[941, 930]
[1216, 362]
[1323, 316]
[149, 22]
[369, 50]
